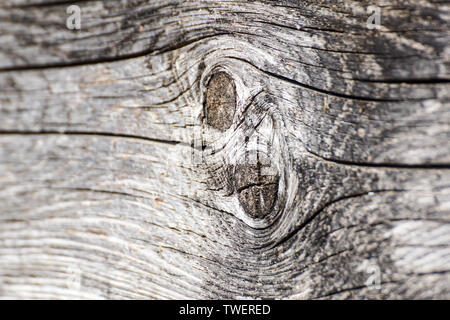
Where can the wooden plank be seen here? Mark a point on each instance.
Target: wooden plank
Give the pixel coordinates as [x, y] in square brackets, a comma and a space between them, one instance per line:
[333, 170]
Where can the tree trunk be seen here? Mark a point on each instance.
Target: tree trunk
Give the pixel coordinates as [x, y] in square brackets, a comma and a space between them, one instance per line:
[225, 149]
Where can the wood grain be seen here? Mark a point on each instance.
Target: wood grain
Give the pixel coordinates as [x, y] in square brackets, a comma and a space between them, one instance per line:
[119, 179]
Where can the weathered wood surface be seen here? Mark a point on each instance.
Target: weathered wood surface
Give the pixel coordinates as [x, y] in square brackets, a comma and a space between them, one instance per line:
[118, 180]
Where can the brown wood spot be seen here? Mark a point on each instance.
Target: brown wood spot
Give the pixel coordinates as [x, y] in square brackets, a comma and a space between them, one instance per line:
[258, 201]
[257, 193]
[220, 102]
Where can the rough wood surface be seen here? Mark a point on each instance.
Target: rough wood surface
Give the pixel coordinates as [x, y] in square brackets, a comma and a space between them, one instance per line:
[320, 159]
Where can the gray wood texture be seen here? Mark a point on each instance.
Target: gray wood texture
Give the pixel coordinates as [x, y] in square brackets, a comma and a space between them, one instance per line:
[121, 179]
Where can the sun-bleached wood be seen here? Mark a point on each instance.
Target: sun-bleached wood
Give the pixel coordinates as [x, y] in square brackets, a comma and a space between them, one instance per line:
[113, 184]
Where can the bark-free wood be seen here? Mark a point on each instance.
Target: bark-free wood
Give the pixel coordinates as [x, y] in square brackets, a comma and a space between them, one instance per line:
[118, 178]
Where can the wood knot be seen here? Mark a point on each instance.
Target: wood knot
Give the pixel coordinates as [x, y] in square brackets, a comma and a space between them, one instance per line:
[220, 101]
[257, 189]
